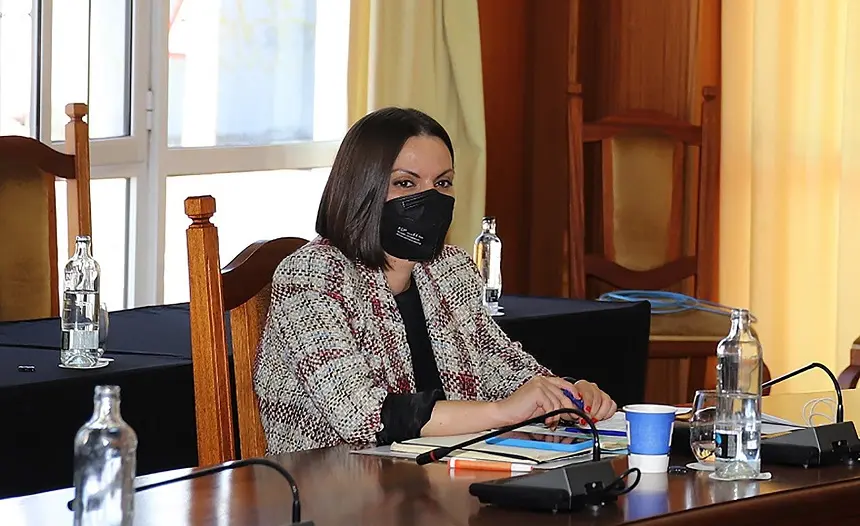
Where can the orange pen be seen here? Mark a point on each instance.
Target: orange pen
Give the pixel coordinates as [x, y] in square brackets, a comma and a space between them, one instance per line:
[488, 465]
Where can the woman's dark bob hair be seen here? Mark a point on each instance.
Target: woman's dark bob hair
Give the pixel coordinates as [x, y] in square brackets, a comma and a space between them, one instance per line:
[351, 205]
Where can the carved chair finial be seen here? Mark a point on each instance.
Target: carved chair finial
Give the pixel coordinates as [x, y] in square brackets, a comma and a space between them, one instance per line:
[76, 110]
[200, 209]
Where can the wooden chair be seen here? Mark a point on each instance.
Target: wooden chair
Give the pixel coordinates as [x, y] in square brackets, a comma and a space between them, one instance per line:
[29, 275]
[243, 289]
[850, 377]
[652, 185]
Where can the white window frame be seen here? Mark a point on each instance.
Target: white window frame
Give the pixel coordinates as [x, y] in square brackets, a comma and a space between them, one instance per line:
[149, 196]
[143, 156]
[114, 157]
[131, 149]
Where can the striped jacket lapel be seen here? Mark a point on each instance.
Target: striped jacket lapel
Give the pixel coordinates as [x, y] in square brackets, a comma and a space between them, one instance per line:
[387, 325]
[453, 353]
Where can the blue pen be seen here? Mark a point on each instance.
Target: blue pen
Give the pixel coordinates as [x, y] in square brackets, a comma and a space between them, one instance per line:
[605, 432]
[601, 432]
[576, 401]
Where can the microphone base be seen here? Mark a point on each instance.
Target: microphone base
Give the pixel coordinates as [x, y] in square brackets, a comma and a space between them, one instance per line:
[813, 446]
[569, 488]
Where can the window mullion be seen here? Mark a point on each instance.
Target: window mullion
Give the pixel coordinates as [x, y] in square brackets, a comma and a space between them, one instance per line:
[148, 191]
[290, 156]
[42, 57]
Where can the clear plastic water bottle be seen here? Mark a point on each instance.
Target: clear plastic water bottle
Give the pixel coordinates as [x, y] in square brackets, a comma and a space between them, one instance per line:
[105, 463]
[737, 431]
[80, 317]
[488, 258]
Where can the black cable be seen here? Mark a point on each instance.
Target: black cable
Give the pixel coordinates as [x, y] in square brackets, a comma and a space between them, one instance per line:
[441, 452]
[620, 483]
[814, 365]
[297, 506]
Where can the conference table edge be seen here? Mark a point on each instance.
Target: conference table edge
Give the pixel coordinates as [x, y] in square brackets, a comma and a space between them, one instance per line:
[782, 506]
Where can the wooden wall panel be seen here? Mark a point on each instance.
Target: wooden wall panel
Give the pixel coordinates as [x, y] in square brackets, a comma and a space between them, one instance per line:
[648, 55]
[546, 145]
[503, 52]
[626, 53]
[635, 55]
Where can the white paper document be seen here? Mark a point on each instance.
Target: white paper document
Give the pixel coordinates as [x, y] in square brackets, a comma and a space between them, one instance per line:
[385, 451]
[771, 425]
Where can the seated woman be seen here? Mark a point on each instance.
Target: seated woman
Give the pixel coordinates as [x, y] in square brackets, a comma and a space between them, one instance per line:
[376, 331]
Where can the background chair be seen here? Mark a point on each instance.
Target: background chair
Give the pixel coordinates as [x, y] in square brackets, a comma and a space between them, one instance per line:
[850, 377]
[644, 214]
[242, 288]
[29, 275]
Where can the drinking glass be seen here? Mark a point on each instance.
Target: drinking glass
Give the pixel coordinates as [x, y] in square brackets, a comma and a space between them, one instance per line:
[702, 426]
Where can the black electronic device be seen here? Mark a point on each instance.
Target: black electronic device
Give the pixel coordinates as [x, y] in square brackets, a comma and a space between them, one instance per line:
[568, 488]
[813, 446]
[296, 519]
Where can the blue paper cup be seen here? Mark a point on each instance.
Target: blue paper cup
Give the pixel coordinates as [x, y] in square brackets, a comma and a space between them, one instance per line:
[649, 436]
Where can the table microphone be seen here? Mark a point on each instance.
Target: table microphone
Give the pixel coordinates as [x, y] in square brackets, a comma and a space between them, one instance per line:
[441, 452]
[815, 445]
[228, 466]
[567, 488]
[813, 365]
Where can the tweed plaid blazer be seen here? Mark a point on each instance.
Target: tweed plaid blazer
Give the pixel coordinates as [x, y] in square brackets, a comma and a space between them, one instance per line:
[334, 346]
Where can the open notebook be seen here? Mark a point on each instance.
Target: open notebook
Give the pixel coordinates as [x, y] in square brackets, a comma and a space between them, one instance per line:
[535, 444]
[484, 451]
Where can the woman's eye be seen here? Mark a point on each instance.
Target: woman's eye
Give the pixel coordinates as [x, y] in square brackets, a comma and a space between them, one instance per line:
[404, 183]
[445, 183]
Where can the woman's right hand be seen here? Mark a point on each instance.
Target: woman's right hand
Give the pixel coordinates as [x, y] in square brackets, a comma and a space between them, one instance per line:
[537, 396]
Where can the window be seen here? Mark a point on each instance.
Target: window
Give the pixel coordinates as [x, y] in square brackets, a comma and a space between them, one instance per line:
[56, 52]
[16, 68]
[250, 207]
[256, 106]
[256, 72]
[241, 99]
[110, 235]
[90, 61]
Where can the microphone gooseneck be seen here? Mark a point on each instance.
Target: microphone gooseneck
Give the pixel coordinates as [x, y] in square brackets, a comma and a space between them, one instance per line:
[441, 452]
[294, 488]
[814, 365]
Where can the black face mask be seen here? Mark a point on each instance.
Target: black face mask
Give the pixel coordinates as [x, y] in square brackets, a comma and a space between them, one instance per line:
[414, 226]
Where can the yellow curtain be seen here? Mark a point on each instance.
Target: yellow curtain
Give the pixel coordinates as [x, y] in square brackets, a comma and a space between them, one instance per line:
[790, 181]
[426, 54]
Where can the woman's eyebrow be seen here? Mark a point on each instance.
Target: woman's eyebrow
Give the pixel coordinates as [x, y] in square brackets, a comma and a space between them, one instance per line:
[410, 172]
[414, 174]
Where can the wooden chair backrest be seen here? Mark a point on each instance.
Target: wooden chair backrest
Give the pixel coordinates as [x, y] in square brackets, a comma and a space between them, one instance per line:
[688, 262]
[29, 275]
[242, 288]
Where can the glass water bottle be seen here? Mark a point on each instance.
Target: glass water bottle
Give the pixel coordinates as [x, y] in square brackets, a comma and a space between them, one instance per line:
[105, 463]
[80, 316]
[737, 431]
[488, 258]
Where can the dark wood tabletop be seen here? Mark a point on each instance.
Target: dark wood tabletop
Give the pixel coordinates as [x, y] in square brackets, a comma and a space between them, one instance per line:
[340, 488]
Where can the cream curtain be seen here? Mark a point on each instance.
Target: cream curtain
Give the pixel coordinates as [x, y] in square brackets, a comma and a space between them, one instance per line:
[426, 54]
[790, 182]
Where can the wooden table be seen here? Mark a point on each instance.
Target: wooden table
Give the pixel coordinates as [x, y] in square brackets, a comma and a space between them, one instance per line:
[340, 488]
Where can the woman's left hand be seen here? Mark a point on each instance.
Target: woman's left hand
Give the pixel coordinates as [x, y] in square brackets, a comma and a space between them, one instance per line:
[595, 402]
